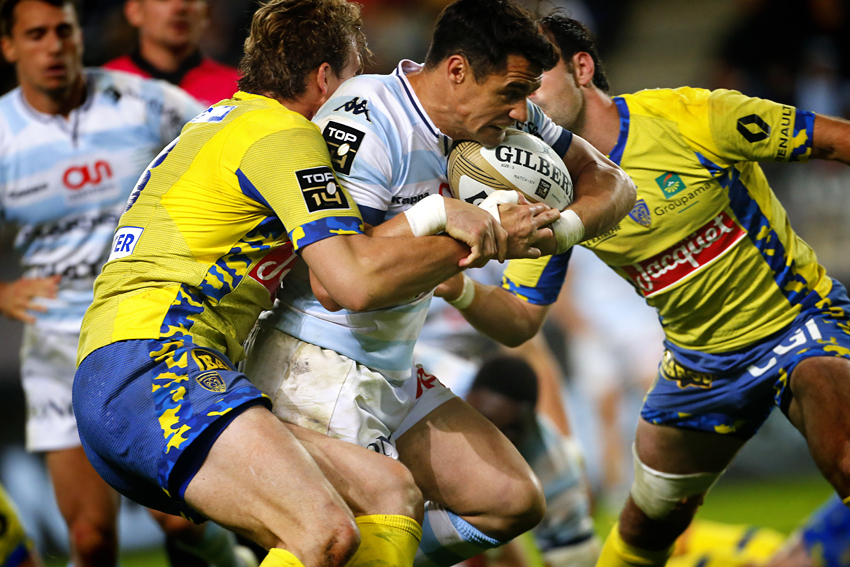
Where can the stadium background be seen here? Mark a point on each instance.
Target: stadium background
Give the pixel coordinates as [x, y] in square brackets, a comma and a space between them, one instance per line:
[792, 51]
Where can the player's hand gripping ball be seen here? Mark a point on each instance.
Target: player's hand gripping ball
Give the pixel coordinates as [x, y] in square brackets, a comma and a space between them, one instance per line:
[521, 163]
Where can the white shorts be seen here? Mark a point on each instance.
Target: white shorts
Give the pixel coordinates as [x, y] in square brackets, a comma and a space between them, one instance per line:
[48, 364]
[321, 390]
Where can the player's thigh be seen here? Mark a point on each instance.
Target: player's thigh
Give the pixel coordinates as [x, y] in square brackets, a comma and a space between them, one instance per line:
[82, 495]
[678, 450]
[820, 388]
[368, 481]
[258, 480]
[460, 460]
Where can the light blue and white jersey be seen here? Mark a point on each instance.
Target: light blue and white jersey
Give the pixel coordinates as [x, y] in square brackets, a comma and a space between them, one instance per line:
[65, 181]
[389, 155]
[558, 466]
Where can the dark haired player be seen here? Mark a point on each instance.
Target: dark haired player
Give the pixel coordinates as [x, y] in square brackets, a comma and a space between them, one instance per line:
[351, 375]
[751, 319]
[213, 226]
[169, 35]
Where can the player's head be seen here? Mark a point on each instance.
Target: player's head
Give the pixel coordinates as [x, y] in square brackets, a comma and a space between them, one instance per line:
[492, 55]
[561, 93]
[44, 41]
[298, 46]
[505, 392]
[172, 24]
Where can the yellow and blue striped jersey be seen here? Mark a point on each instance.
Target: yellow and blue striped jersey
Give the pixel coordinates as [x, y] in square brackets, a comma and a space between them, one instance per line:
[213, 225]
[707, 244]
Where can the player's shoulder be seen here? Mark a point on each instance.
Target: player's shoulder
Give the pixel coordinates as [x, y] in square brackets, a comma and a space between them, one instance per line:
[373, 102]
[13, 118]
[122, 63]
[249, 118]
[117, 83]
[667, 103]
[219, 70]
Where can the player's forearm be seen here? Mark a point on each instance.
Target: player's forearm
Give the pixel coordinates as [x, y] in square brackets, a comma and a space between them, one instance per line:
[361, 273]
[604, 195]
[502, 316]
[831, 139]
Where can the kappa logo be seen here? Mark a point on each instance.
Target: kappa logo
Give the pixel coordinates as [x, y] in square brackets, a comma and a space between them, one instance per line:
[319, 189]
[206, 360]
[356, 106]
[670, 184]
[640, 214]
[343, 144]
[274, 266]
[383, 446]
[424, 381]
[753, 128]
[211, 381]
[675, 372]
[78, 176]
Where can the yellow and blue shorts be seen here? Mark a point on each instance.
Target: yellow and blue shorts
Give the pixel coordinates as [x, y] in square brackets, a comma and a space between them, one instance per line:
[149, 411]
[733, 393]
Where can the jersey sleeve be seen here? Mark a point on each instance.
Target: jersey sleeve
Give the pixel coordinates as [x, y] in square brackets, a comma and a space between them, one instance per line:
[541, 125]
[289, 172]
[725, 127]
[362, 153]
[539, 280]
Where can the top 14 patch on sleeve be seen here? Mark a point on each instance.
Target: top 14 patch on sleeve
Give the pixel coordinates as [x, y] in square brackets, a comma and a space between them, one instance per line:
[343, 143]
[320, 189]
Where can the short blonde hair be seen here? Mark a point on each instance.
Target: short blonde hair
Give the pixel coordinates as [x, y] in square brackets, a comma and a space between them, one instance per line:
[291, 38]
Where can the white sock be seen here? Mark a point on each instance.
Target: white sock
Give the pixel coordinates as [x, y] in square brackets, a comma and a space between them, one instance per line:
[448, 539]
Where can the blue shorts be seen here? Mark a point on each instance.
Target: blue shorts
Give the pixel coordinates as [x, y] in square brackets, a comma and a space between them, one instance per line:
[148, 413]
[733, 393]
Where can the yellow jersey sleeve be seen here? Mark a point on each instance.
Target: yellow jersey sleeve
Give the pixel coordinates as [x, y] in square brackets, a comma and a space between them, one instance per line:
[728, 127]
[538, 280]
[290, 173]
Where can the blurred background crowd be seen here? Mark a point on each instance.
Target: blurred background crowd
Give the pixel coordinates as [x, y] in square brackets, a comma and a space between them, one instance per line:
[791, 51]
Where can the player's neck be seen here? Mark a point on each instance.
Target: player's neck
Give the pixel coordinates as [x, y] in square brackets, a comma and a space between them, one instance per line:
[601, 121]
[430, 95]
[56, 103]
[165, 58]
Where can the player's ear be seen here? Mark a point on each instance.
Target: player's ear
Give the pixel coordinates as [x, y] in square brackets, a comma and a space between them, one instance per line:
[133, 12]
[457, 69]
[323, 74]
[583, 68]
[10, 54]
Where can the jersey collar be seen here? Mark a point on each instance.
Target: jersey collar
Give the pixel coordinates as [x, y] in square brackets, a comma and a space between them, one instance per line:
[406, 66]
[625, 119]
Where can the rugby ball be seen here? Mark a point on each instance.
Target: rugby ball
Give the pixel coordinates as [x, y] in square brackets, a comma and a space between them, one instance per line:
[521, 162]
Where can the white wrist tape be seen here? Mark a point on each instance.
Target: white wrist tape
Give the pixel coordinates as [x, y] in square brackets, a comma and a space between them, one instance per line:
[466, 296]
[428, 216]
[569, 230]
[496, 198]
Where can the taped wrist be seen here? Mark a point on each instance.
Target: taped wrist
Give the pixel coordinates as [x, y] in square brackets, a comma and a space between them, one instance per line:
[466, 296]
[428, 216]
[568, 229]
[496, 198]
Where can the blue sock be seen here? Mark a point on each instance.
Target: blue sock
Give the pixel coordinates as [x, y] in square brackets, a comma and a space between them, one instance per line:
[448, 539]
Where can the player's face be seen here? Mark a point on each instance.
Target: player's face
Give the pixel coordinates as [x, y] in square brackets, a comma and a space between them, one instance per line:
[46, 46]
[560, 97]
[509, 417]
[485, 109]
[170, 23]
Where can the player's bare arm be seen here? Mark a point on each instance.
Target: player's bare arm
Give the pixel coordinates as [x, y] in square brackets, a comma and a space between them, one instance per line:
[16, 297]
[604, 194]
[492, 306]
[831, 139]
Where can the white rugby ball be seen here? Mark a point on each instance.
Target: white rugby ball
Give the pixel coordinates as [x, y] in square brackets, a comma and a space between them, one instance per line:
[521, 162]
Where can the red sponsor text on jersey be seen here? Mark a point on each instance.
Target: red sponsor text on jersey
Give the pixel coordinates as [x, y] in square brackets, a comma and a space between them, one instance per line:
[424, 381]
[78, 176]
[686, 257]
[274, 266]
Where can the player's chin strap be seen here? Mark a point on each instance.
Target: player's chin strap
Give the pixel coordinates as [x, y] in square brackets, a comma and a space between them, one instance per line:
[569, 230]
[658, 493]
[496, 198]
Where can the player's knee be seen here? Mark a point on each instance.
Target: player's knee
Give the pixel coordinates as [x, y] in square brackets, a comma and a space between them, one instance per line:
[96, 544]
[339, 542]
[661, 496]
[520, 508]
[397, 493]
[179, 528]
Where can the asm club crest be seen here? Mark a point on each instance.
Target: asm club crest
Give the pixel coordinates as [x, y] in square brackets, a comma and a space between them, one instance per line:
[640, 214]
